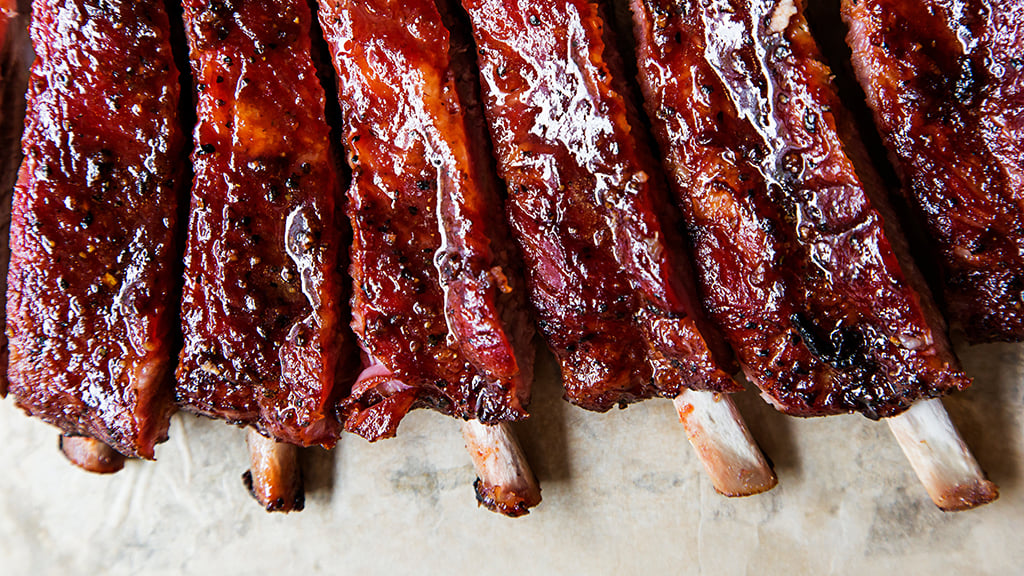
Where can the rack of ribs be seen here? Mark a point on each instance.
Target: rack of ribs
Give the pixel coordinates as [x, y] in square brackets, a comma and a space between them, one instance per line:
[93, 257]
[438, 300]
[800, 261]
[607, 271]
[946, 83]
[262, 305]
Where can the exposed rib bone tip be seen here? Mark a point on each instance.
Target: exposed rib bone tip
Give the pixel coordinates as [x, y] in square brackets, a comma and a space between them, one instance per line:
[504, 483]
[942, 461]
[274, 478]
[716, 430]
[90, 454]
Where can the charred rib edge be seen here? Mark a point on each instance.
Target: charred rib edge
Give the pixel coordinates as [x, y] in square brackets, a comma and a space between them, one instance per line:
[274, 478]
[717, 432]
[942, 461]
[505, 483]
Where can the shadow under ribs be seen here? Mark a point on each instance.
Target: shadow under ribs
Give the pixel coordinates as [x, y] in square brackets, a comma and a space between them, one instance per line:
[438, 300]
[262, 299]
[946, 83]
[588, 204]
[93, 222]
[801, 262]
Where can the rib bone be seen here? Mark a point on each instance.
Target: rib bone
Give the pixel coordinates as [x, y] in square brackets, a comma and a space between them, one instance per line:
[940, 458]
[90, 454]
[274, 478]
[716, 430]
[504, 481]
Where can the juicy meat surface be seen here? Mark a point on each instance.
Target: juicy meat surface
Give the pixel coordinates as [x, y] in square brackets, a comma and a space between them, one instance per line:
[93, 258]
[438, 303]
[262, 301]
[946, 82]
[8, 11]
[796, 261]
[607, 273]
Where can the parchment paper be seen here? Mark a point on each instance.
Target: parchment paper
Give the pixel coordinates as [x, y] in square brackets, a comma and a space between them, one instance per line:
[623, 493]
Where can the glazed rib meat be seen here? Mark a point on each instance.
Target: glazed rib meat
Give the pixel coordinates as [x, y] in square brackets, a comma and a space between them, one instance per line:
[8, 11]
[93, 259]
[946, 82]
[438, 303]
[607, 274]
[798, 257]
[15, 59]
[262, 300]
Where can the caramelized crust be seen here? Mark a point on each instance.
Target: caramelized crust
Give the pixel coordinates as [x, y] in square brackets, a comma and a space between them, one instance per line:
[438, 305]
[946, 82]
[586, 202]
[262, 296]
[797, 264]
[92, 228]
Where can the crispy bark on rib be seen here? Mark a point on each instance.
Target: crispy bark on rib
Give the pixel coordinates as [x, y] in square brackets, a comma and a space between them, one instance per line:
[438, 302]
[607, 274]
[946, 83]
[93, 259]
[262, 299]
[799, 260]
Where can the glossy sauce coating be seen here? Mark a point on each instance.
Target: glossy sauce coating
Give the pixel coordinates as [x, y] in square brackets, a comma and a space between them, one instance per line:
[13, 85]
[587, 204]
[438, 304]
[262, 300]
[946, 81]
[8, 11]
[797, 264]
[92, 233]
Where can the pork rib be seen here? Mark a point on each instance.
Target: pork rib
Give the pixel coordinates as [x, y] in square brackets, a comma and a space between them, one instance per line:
[797, 256]
[605, 267]
[946, 82]
[438, 303]
[92, 231]
[587, 202]
[262, 300]
[800, 259]
[15, 59]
